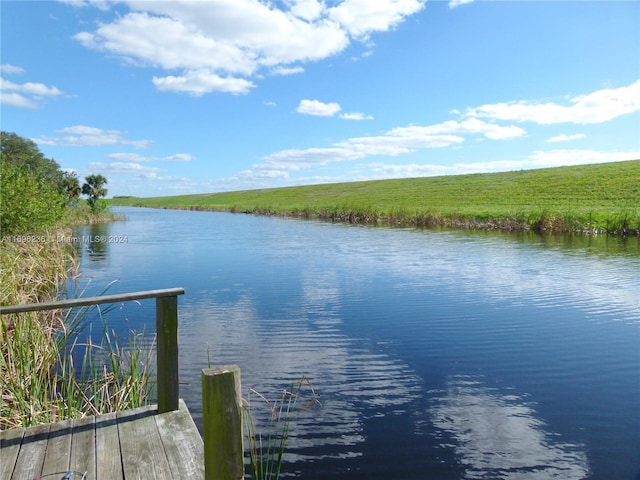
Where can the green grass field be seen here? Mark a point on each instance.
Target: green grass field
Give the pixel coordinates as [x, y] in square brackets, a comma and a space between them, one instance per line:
[600, 197]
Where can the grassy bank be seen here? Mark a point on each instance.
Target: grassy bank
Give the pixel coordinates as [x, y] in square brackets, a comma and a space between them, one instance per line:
[45, 373]
[587, 198]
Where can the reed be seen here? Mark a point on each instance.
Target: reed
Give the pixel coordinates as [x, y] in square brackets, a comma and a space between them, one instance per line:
[266, 450]
[46, 372]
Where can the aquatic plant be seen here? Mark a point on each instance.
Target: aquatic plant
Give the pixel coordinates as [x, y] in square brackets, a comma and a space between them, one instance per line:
[267, 449]
[48, 374]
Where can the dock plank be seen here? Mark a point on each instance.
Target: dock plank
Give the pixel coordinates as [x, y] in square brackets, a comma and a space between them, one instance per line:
[32, 450]
[108, 464]
[185, 451]
[56, 459]
[141, 459]
[10, 441]
[129, 445]
[83, 446]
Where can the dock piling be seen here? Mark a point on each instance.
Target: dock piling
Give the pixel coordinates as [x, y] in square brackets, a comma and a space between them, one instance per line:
[222, 423]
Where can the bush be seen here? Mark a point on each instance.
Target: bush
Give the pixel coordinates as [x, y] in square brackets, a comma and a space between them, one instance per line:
[28, 203]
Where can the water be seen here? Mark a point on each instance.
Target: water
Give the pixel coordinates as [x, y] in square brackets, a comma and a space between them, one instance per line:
[435, 354]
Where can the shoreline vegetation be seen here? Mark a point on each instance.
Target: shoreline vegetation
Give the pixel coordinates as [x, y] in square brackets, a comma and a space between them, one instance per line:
[46, 372]
[586, 199]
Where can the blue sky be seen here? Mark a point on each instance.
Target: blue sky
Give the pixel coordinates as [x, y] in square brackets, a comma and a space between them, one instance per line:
[173, 97]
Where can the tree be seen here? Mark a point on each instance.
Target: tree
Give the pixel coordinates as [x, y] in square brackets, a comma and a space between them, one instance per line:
[30, 198]
[25, 153]
[71, 186]
[94, 189]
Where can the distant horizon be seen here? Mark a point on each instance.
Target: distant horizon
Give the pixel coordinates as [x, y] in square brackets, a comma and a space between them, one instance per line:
[174, 98]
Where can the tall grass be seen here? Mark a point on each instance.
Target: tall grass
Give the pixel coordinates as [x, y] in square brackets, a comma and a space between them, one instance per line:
[46, 372]
[82, 215]
[48, 375]
[598, 198]
[266, 450]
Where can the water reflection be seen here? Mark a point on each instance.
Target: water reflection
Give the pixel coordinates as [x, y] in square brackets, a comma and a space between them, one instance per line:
[499, 435]
[352, 380]
[92, 242]
[382, 321]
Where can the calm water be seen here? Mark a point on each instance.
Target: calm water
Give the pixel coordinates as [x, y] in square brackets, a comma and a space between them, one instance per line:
[444, 355]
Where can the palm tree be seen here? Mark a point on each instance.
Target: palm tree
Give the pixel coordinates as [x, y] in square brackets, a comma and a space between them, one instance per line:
[94, 189]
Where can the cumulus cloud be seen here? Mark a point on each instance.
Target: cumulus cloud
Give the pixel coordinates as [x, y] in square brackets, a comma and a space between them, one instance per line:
[457, 3]
[356, 116]
[23, 95]
[363, 17]
[202, 81]
[286, 70]
[537, 159]
[596, 107]
[84, 136]
[318, 108]
[11, 69]
[125, 168]
[137, 158]
[566, 138]
[219, 45]
[397, 141]
[16, 100]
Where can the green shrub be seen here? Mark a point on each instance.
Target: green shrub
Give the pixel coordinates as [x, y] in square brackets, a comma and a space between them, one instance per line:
[27, 203]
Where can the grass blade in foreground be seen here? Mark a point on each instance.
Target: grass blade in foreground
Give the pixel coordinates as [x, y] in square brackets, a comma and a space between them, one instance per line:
[266, 451]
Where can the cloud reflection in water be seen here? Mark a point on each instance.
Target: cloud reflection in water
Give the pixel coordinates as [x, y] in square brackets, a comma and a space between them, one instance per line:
[500, 436]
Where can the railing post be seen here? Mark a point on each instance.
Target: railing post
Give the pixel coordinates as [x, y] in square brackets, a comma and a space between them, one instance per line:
[222, 423]
[167, 352]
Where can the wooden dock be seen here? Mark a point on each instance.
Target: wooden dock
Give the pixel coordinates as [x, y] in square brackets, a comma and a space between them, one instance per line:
[155, 443]
[134, 444]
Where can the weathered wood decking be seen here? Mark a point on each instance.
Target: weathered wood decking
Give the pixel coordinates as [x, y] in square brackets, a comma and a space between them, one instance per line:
[146, 443]
[134, 444]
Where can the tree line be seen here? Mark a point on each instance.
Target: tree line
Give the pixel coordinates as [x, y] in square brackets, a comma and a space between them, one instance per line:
[35, 193]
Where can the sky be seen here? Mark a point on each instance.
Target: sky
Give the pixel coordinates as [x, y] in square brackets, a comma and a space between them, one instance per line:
[168, 97]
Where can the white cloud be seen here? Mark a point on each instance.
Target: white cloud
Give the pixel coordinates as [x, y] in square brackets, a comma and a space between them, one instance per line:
[16, 100]
[130, 157]
[397, 141]
[307, 9]
[538, 159]
[355, 116]
[218, 45]
[468, 126]
[597, 107]
[84, 136]
[566, 138]
[99, 4]
[363, 17]
[179, 157]
[124, 168]
[318, 108]
[29, 88]
[11, 69]
[202, 81]
[457, 3]
[294, 159]
[286, 70]
[24, 95]
[137, 158]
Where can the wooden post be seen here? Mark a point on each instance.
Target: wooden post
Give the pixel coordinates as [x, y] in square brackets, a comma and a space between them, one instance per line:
[222, 423]
[167, 341]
